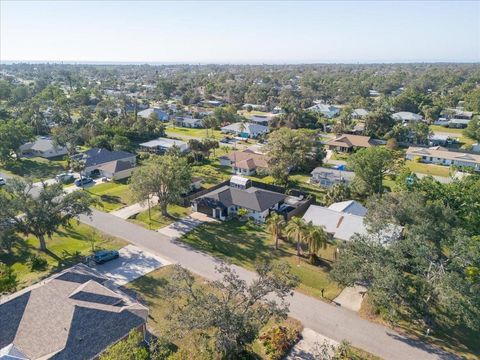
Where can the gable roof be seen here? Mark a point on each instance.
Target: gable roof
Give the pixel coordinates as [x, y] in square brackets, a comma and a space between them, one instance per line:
[348, 141]
[116, 166]
[247, 159]
[249, 128]
[251, 198]
[164, 143]
[42, 144]
[96, 156]
[349, 207]
[407, 116]
[442, 153]
[71, 315]
[331, 173]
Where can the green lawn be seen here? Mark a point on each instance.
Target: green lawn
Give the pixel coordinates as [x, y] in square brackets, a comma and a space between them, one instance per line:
[429, 169]
[176, 212]
[36, 168]
[456, 133]
[111, 195]
[247, 243]
[65, 248]
[153, 290]
[191, 132]
[212, 173]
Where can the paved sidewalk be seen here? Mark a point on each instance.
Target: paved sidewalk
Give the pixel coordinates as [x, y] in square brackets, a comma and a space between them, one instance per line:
[331, 321]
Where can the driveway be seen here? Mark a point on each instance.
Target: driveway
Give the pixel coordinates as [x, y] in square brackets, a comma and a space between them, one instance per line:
[133, 263]
[308, 348]
[351, 297]
[181, 227]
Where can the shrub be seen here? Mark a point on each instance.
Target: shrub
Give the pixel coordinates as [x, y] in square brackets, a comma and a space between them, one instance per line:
[37, 263]
[278, 340]
[8, 279]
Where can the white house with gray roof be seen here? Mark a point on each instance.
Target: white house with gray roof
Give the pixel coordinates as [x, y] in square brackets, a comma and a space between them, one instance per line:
[406, 116]
[161, 145]
[114, 165]
[224, 202]
[44, 147]
[246, 130]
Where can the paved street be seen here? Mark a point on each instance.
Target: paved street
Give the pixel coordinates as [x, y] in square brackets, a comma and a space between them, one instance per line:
[331, 321]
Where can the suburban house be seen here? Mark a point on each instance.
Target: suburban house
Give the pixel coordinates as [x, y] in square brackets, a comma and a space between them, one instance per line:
[329, 111]
[457, 118]
[406, 116]
[349, 142]
[260, 119]
[72, 315]
[328, 177]
[244, 162]
[162, 115]
[443, 156]
[245, 130]
[161, 145]
[189, 122]
[224, 202]
[115, 165]
[254, 107]
[349, 207]
[359, 113]
[42, 146]
[342, 225]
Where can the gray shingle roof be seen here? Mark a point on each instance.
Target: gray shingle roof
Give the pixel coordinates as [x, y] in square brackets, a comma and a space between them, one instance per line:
[71, 315]
[98, 156]
[252, 198]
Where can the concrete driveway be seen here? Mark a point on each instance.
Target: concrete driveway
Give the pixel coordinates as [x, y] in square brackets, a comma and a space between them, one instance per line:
[132, 264]
[185, 225]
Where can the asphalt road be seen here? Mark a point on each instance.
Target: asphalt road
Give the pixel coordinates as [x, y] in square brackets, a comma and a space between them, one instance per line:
[329, 320]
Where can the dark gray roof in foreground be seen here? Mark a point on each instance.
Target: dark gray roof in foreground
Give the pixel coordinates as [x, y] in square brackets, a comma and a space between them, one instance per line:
[252, 198]
[98, 156]
[71, 315]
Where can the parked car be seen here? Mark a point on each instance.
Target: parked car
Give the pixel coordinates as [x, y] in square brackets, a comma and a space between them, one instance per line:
[2, 181]
[103, 256]
[84, 181]
[64, 178]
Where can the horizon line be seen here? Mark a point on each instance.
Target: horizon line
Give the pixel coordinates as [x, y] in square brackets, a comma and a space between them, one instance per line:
[256, 63]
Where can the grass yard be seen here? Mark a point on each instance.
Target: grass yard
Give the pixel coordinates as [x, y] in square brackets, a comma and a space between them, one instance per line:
[36, 168]
[65, 248]
[247, 243]
[111, 195]
[212, 173]
[193, 133]
[153, 290]
[158, 220]
[456, 133]
[451, 338]
[429, 169]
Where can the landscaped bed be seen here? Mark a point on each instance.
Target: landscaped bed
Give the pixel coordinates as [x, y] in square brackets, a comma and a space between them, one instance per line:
[245, 243]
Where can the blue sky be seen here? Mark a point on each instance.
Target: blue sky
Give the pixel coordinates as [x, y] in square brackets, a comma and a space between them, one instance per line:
[240, 32]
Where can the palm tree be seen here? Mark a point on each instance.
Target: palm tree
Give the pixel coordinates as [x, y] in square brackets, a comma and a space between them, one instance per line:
[315, 237]
[275, 224]
[296, 229]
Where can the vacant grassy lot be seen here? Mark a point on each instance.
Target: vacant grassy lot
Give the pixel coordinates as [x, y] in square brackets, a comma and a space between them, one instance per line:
[193, 133]
[36, 168]
[111, 195]
[153, 290]
[247, 243]
[65, 248]
[158, 220]
[429, 169]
